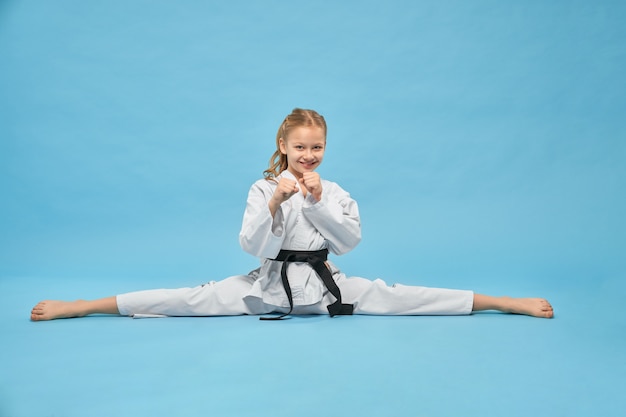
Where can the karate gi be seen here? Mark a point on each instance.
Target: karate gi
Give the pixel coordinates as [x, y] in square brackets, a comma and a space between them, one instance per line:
[300, 224]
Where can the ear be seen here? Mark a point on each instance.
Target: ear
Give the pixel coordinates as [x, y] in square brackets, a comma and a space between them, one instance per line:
[282, 146]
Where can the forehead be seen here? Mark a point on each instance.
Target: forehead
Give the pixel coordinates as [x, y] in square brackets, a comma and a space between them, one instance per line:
[307, 134]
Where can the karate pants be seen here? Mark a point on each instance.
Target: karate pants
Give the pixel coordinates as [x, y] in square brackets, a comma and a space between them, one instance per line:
[228, 298]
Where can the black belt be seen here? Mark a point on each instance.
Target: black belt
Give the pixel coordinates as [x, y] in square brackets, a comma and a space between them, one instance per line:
[317, 260]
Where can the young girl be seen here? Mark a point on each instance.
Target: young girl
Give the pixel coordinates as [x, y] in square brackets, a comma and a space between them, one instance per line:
[293, 218]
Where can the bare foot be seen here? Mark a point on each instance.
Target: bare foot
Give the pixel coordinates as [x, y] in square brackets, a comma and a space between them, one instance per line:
[536, 307]
[50, 310]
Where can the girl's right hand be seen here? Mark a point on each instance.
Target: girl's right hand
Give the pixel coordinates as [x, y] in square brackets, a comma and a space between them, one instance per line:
[285, 189]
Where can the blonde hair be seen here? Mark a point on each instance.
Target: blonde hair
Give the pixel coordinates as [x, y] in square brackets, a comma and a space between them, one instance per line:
[297, 118]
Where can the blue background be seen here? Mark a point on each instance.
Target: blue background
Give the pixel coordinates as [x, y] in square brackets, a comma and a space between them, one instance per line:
[484, 141]
[479, 138]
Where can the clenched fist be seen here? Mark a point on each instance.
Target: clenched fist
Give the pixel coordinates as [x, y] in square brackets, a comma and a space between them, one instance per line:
[285, 189]
[311, 182]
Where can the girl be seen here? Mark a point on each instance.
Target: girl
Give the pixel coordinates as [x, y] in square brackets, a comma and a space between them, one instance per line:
[293, 218]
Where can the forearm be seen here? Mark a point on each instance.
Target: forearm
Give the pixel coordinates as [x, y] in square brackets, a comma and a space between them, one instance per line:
[262, 231]
[273, 206]
[339, 223]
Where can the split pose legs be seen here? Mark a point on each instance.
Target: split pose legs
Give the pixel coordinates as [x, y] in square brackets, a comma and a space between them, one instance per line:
[51, 309]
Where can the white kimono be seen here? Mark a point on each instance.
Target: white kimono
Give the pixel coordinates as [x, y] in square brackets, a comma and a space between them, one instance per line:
[301, 224]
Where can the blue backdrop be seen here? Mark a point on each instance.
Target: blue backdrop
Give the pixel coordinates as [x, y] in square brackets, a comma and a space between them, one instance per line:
[482, 139]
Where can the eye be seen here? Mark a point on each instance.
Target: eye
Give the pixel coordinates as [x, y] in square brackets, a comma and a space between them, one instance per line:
[299, 147]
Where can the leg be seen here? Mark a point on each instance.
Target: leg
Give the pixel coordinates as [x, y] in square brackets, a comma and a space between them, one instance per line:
[221, 298]
[376, 297]
[537, 307]
[52, 309]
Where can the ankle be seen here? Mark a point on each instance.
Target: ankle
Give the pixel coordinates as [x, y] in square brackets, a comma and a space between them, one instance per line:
[81, 308]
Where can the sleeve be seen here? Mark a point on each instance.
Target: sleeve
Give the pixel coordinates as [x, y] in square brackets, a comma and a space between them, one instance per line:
[336, 217]
[261, 235]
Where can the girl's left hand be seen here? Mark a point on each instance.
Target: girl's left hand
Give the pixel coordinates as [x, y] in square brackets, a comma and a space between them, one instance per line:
[312, 183]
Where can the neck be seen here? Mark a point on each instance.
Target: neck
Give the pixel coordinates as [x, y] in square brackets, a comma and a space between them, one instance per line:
[298, 175]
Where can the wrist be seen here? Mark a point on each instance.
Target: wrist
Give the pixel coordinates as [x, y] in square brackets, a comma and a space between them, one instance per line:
[273, 206]
[317, 196]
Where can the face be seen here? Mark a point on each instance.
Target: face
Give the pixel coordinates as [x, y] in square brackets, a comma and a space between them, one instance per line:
[304, 148]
